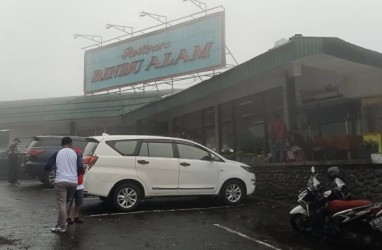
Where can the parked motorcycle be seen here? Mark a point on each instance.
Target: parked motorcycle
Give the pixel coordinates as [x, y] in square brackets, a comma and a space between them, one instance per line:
[326, 213]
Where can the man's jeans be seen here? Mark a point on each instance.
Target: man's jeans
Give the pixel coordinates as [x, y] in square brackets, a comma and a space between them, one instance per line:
[64, 193]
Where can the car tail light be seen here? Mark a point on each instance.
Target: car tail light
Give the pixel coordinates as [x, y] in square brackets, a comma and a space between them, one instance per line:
[34, 152]
[89, 161]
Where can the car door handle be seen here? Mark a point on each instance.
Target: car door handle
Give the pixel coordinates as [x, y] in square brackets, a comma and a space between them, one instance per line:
[185, 164]
[143, 162]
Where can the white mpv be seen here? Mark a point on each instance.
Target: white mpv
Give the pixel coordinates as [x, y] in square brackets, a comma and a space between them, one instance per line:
[124, 169]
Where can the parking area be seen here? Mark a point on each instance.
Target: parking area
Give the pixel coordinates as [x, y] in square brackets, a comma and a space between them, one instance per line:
[28, 211]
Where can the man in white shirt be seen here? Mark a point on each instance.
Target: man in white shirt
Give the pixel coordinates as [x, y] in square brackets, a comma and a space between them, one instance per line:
[68, 166]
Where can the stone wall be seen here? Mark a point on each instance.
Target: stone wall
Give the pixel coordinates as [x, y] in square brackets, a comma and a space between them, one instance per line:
[284, 182]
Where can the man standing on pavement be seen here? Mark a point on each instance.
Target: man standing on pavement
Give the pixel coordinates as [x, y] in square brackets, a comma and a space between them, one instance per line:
[13, 162]
[68, 166]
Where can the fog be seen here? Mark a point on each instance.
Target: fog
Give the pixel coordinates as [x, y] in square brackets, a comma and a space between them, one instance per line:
[40, 59]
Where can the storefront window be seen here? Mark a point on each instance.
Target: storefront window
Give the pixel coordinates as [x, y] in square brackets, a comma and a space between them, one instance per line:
[198, 126]
[227, 144]
[227, 138]
[335, 128]
[193, 120]
[250, 129]
[209, 117]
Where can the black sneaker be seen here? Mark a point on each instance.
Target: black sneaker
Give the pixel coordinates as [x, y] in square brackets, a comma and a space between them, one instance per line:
[69, 221]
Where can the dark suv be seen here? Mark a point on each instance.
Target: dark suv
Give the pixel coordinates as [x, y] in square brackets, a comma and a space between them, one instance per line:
[39, 151]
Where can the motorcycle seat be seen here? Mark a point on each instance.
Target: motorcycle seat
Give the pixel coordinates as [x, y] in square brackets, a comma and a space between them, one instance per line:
[336, 206]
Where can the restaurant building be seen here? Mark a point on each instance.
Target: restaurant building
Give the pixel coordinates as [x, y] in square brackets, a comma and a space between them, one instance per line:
[327, 89]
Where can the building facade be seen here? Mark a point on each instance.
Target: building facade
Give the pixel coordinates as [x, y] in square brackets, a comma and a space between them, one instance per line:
[325, 88]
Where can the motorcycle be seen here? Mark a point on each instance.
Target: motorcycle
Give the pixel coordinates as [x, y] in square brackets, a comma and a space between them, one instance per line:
[328, 213]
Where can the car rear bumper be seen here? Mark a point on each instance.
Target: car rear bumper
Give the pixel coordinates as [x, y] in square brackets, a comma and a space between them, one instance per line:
[34, 169]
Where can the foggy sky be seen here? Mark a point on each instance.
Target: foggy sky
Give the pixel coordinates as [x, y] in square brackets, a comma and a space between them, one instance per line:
[39, 57]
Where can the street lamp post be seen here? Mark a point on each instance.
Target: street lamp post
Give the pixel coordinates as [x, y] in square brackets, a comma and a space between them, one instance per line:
[93, 38]
[127, 29]
[198, 4]
[162, 19]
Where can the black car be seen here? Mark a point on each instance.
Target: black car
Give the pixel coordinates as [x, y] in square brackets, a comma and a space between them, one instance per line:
[39, 151]
[3, 163]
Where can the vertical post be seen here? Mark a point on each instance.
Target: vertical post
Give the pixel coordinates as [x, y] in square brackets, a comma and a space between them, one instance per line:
[217, 128]
[170, 126]
[72, 128]
[290, 110]
[172, 85]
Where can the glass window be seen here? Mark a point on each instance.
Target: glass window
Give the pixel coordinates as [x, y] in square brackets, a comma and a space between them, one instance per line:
[225, 112]
[227, 139]
[177, 124]
[123, 147]
[90, 148]
[335, 128]
[193, 121]
[209, 117]
[210, 139]
[53, 142]
[144, 149]
[192, 152]
[160, 149]
[273, 102]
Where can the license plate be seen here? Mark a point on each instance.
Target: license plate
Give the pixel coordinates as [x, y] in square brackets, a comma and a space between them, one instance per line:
[376, 223]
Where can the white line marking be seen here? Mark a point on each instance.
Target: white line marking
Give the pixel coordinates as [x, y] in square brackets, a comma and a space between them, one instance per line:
[161, 211]
[246, 237]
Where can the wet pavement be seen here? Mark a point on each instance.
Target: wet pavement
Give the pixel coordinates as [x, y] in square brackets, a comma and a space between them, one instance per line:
[28, 211]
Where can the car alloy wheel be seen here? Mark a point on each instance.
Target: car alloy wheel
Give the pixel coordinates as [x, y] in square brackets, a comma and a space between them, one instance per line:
[52, 176]
[232, 192]
[126, 197]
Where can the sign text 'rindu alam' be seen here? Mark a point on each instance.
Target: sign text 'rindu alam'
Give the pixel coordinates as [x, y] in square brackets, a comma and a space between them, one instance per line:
[189, 47]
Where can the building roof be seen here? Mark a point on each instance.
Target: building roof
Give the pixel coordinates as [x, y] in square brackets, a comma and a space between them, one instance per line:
[298, 47]
[77, 107]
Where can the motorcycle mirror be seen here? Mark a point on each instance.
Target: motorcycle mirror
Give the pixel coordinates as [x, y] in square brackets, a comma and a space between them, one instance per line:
[313, 170]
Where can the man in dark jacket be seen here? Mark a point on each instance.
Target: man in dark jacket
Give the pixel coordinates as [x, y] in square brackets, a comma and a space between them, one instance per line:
[68, 165]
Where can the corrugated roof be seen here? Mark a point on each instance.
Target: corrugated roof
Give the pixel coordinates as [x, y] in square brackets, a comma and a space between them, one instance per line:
[77, 107]
[296, 48]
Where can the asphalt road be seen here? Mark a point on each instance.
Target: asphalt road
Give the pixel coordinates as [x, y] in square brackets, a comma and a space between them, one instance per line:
[28, 211]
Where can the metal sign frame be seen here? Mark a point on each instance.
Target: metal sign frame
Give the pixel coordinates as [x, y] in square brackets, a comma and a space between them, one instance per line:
[168, 79]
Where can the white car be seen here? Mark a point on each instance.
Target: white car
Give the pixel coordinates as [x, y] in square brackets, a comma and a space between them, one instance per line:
[124, 169]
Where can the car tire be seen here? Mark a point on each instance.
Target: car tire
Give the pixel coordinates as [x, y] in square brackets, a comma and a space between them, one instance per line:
[48, 178]
[232, 192]
[126, 197]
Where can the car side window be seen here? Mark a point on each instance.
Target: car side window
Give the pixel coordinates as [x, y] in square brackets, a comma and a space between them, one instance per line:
[157, 149]
[193, 152]
[124, 147]
[144, 149]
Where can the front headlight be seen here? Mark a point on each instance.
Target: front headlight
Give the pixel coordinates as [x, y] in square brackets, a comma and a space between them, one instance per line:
[247, 168]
